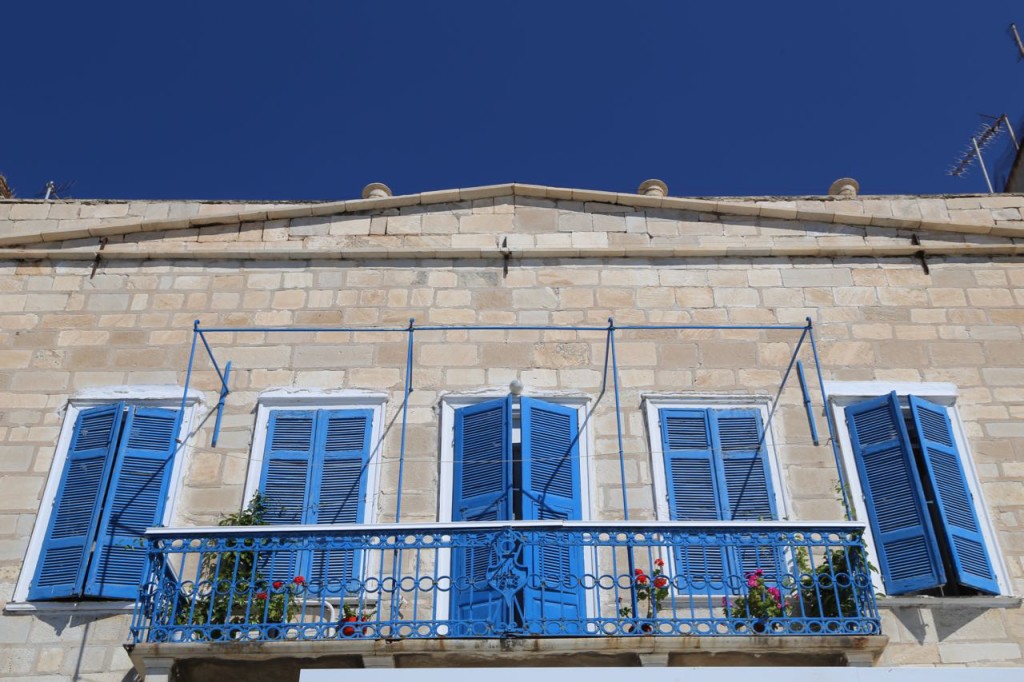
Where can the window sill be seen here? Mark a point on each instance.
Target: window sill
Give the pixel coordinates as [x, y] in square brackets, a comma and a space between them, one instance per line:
[979, 602]
[93, 608]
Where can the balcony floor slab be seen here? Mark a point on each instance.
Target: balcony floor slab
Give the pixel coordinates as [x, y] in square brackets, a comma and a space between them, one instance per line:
[834, 650]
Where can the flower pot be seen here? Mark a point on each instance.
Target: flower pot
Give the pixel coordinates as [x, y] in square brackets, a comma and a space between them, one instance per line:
[349, 630]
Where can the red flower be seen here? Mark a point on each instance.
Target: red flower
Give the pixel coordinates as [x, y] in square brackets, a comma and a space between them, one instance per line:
[639, 571]
[641, 579]
[299, 580]
[278, 584]
[261, 595]
[659, 562]
[660, 581]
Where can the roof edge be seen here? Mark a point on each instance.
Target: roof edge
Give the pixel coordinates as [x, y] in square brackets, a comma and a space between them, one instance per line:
[310, 210]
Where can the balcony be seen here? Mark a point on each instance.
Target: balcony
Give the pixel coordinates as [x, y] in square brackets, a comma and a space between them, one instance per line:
[609, 586]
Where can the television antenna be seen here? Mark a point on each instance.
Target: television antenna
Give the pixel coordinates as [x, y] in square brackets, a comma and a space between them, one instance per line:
[1016, 39]
[982, 138]
[55, 190]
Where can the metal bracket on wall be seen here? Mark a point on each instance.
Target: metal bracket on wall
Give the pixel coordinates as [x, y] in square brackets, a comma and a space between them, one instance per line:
[920, 255]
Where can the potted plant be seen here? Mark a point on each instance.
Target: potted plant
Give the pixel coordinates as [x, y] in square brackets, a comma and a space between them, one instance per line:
[232, 592]
[652, 590]
[351, 614]
[758, 606]
[829, 590]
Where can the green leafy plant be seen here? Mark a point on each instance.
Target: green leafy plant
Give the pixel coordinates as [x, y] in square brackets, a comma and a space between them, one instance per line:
[231, 590]
[829, 590]
[760, 602]
[651, 590]
[350, 615]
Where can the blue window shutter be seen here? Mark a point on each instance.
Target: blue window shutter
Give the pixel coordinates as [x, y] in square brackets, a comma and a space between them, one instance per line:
[338, 486]
[739, 444]
[908, 552]
[135, 501]
[63, 558]
[955, 504]
[285, 482]
[551, 490]
[694, 490]
[739, 438]
[483, 477]
[483, 462]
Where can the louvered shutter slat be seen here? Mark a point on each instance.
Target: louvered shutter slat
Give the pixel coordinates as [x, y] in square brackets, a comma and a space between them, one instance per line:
[693, 492]
[902, 529]
[482, 478]
[339, 473]
[551, 491]
[285, 485]
[135, 501]
[953, 497]
[739, 436]
[63, 558]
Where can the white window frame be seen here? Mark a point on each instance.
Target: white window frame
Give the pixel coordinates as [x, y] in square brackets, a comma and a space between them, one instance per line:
[446, 484]
[842, 394]
[292, 399]
[146, 396]
[653, 403]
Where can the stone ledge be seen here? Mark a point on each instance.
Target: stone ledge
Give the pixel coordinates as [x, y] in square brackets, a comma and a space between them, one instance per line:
[784, 209]
[539, 651]
[288, 252]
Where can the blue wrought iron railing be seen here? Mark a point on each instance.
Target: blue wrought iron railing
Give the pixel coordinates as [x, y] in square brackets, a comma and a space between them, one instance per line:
[505, 579]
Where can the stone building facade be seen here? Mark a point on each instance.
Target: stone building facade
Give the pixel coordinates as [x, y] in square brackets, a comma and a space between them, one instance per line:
[917, 295]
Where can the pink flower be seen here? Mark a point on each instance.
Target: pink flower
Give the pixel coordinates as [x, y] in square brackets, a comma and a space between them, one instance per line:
[776, 595]
[299, 580]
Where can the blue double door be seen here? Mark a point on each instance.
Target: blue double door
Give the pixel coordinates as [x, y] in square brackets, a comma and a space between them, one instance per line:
[506, 579]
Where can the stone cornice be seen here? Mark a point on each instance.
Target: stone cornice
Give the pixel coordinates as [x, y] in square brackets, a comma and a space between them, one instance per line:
[769, 208]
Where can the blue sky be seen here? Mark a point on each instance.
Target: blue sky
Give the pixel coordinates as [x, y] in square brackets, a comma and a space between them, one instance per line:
[304, 100]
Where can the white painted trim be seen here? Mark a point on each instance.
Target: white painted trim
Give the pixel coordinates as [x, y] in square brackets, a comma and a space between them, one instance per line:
[148, 396]
[135, 395]
[54, 608]
[950, 603]
[846, 392]
[344, 397]
[842, 394]
[653, 403]
[446, 466]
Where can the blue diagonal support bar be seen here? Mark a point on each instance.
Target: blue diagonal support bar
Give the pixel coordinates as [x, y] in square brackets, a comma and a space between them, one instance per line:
[220, 403]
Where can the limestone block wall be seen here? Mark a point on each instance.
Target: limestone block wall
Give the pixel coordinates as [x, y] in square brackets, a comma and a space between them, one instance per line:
[71, 322]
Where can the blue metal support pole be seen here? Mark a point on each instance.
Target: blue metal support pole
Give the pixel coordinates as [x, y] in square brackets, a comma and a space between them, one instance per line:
[508, 327]
[831, 425]
[633, 601]
[188, 372]
[220, 403]
[209, 351]
[405, 414]
[807, 401]
[618, 419]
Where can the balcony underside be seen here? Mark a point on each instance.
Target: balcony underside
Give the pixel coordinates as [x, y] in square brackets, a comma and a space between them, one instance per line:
[281, 660]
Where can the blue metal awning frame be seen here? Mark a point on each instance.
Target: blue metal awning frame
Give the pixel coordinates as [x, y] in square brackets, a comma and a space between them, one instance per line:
[806, 333]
